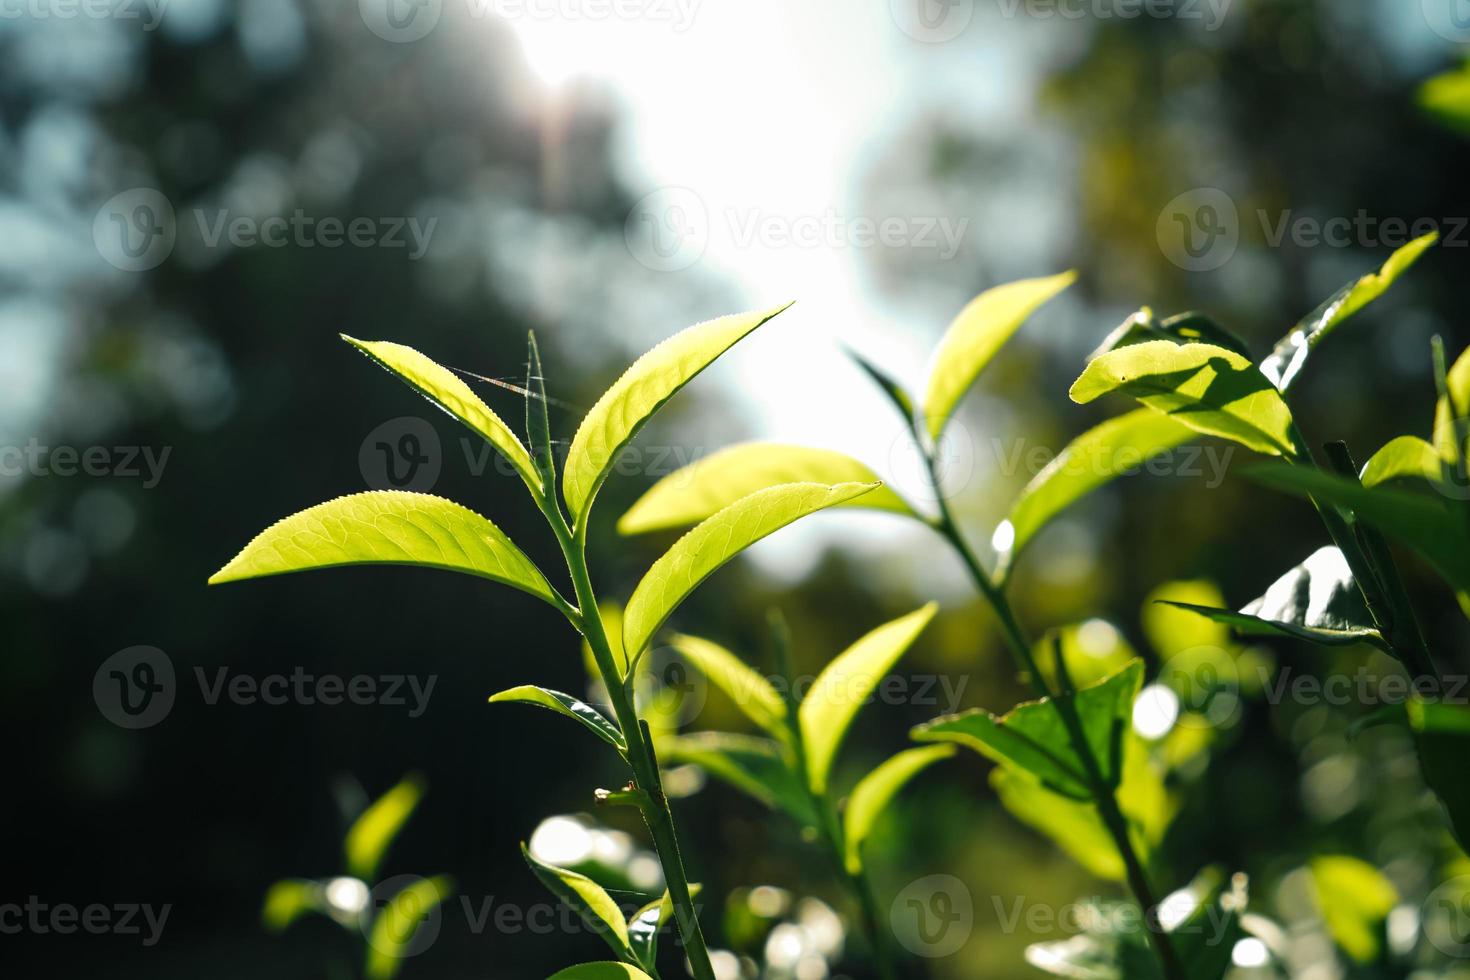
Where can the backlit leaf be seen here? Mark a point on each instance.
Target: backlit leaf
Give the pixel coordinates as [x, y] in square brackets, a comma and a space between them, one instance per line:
[645, 925]
[876, 791]
[445, 389]
[752, 693]
[846, 684]
[1207, 388]
[601, 971]
[1407, 457]
[1284, 363]
[289, 900]
[755, 766]
[1032, 738]
[1355, 899]
[1186, 328]
[701, 489]
[387, 527]
[1094, 458]
[373, 831]
[634, 398]
[589, 899]
[564, 704]
[976, 336]
[393, 928]
[696, 555]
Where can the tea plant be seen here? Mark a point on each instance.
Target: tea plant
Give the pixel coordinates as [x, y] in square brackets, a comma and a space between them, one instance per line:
[1068, 759]
[790, 770]
[386, 927]
[396, 527]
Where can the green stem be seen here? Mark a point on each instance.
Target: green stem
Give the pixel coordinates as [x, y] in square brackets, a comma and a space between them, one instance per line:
[1020, 649]
[831, 830]
[640, 756]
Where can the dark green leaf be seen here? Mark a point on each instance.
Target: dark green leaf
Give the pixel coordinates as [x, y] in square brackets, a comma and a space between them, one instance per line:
[538, 422]
[900, 398]
[1442, 737]
[564, 704]
[1032, 738]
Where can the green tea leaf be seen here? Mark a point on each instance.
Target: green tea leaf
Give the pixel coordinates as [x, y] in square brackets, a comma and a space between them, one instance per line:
[844, 686]
[1093, 651]
[976, 336]
[751, 692]
[1407, 457]
[1428, 525]
[645, 925]
[538, 422]
[373, 831]
[1284, 363]
[1442, 740]
[288, 900]
[1186, 328]
[1032, 738]
[589, 899]
[1451, 408]
[634, 398]
[1093, 459]
[394, 927]
[1172, 632]
[387, 527]
[564, 704]
[877, 789]
[445, 389]
[703, 488]
[1355, 899]
[1317, 601]
[1207, 388]
[601, 971]
[697, 555]
[757, 767]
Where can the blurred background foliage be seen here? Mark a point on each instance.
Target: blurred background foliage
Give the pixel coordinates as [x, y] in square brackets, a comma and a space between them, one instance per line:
[1060, 139]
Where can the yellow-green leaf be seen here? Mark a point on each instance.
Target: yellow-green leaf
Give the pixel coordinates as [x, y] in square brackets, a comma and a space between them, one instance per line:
[877, 789]
[373, 831]
[1094, 458]
[387, 527]
[289, 900]
[752, 693]
[448, 391]
[590, 900]
[976, 336]
[393, 929]
[1355, 899]
[696, 555]
[704, 487]
[1207, 388]
[642, 390]
[756, 766]
[844, 686]
[1284, 363]
[1447, 96]
[1407, 457]
[1450, 411]
[601, 971]
[564, 704]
